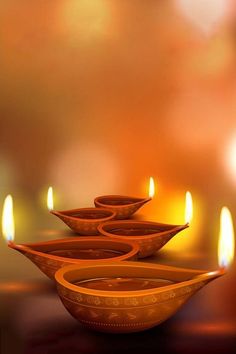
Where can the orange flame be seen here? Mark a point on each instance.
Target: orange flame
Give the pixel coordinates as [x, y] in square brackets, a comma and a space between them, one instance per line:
[8, 226]
[151, 187]
[188, 207]
[50, 199]
[226, 239]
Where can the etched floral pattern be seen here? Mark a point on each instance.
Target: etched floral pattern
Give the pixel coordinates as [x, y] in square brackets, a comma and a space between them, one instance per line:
[126, 313]
[129, 302]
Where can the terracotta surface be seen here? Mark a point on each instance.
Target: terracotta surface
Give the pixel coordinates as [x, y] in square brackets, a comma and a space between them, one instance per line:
[127, 311]
[34, 320]
[49, 264]
[123, 206]
[85, 220]
[159, 234]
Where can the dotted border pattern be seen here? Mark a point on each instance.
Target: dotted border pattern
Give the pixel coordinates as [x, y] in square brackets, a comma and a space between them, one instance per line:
[98, 301]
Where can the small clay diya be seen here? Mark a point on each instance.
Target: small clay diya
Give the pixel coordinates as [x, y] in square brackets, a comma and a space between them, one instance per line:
[49, 256]
[151, 236]
[84, 220]
[127, 296]
[123, 206]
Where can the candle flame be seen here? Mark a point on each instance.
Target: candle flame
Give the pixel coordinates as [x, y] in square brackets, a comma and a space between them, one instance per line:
[8, 226]
[151, 187]
[188, 207]
[226, 239]
[50, 198]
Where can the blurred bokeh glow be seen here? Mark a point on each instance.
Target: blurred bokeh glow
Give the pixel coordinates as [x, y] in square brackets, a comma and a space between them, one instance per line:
[204, 14]
[96, 96]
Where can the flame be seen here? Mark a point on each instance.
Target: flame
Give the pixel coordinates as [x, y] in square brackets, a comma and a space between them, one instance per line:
[188, 207]
[50, 199]
[151, 188]
[226, 239]
[8, 226]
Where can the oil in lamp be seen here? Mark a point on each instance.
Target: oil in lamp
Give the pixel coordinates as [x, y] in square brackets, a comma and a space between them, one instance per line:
[49, 256]
[134, 296]
[83, 221]
[151, 236]
[124, 206]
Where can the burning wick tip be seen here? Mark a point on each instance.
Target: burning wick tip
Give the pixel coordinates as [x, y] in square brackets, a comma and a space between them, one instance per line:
[223, 269]
[10, 243]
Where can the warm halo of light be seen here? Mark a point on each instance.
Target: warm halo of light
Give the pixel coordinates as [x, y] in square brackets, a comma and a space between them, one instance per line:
[188, 207]
[8, 226]
[226, 239]
[204, 14]
[230, 153]
[50, 198]
[151, 187]
[83, 19]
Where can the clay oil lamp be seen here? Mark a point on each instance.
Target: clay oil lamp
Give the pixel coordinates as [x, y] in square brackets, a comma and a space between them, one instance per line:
[134, 296]
[83, 221]
[151, 236]
[49, 256]
[124, 206]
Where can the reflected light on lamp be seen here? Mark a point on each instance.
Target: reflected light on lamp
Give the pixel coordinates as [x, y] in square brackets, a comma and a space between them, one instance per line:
[8, 226]
[50, 199]
[188, 207]
[151, 187]
[226, 239]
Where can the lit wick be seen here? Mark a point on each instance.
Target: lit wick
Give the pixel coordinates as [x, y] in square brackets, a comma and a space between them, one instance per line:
[50, 203]
[226, 239]
[8, 226]
[151, 188]
[188, 208]
[225, 245]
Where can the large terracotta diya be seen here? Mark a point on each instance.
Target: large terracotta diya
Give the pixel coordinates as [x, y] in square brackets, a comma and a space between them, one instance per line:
[49, 256]
[123, 206]
[127, 296]
[84, 220]
[150, 236]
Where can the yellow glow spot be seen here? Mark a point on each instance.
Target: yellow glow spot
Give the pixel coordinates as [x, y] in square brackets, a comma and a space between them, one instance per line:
[188, 207]
[50, 199]
[8, 226]
[226, 239]
[151, 188]
[171, 210]
[83, 19]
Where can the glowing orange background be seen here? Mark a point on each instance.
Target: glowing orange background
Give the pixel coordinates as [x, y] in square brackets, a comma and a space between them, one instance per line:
[96, 96]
